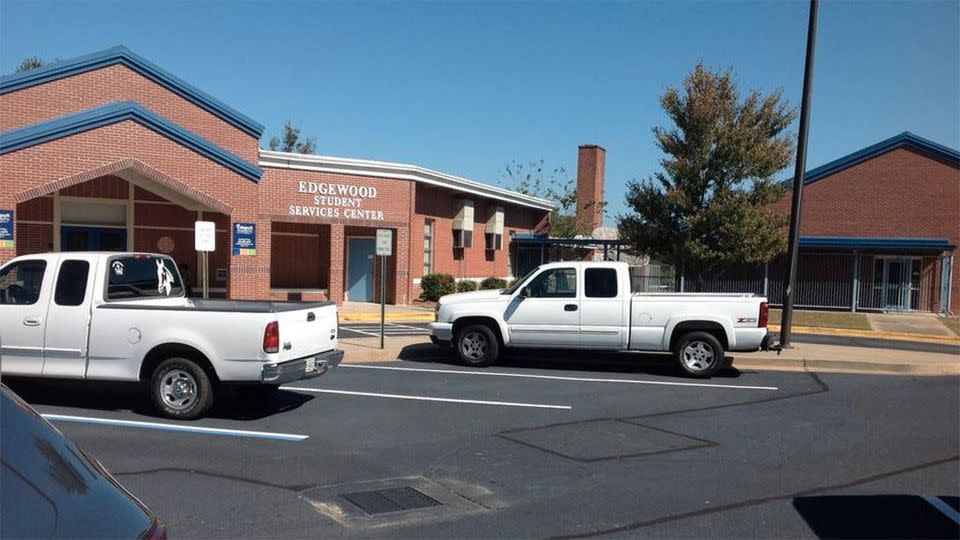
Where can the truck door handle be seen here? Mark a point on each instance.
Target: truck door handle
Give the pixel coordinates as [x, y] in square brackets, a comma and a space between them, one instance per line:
[31, 321]
[570, 307]
[311, 317]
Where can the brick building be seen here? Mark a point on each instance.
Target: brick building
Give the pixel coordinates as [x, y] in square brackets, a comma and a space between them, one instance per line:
[111, 152]
[879, 230]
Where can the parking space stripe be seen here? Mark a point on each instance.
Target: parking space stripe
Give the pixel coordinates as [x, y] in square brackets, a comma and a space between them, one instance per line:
[560, 378]
[419, 328]
[359, 332]
[176, 427]
[428, 398]
[943, 507]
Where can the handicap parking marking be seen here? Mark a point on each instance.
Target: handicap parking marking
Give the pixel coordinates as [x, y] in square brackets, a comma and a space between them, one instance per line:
[429, 398]
[176, 427]
[562, 378]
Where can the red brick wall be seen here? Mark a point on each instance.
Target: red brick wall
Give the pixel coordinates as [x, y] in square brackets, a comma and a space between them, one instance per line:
[902, 193]
[50, 163]
[119, 83]
[300, 256]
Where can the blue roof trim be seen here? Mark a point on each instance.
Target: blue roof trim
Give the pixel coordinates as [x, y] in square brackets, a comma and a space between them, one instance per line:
[126, 57]
[904, 139]
[876, 242]
[71, 124]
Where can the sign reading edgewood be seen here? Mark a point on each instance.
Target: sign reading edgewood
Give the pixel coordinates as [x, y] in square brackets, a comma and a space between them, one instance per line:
[337, 201]
[7, 239]
[245, 239]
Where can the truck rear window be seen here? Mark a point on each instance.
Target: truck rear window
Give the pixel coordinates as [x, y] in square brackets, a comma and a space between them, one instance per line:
[142, 277]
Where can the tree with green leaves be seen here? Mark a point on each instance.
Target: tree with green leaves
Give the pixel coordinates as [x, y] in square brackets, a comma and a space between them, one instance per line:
[33, 62]
[710, 205]
[291, 141]
[536, 179]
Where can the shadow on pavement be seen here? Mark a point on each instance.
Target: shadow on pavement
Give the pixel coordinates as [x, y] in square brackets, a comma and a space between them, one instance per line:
[876, 516]
[568, 360]
[231, 403]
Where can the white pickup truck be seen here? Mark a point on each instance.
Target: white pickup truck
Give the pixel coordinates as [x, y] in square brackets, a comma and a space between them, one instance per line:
[125, 317]
[589, 305]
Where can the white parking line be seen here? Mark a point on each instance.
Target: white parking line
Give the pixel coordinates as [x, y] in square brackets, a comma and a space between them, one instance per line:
[429, 398]
[176, 427]
[559, 378]
[359, 332]
[943, 507]
[420, 328]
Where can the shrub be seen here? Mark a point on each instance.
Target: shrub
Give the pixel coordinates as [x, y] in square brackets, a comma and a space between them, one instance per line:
[436, 285]
[493, 283]
[467, 285]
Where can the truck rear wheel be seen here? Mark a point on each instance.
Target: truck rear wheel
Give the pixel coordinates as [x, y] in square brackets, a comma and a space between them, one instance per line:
[699, 354]
[477, 345]
[181, 389]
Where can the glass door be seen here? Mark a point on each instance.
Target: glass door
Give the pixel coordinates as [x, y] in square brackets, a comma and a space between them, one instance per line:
[901, 280]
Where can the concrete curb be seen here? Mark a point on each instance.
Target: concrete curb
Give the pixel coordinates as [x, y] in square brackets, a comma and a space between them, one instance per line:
[899, 336]
[366, 350]
[395, 317]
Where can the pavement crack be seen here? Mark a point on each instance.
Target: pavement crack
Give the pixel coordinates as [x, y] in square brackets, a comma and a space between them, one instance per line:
[760, 500]
[294, 488]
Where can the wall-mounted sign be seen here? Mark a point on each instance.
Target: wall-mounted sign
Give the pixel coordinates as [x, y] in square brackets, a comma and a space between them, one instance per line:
[7, 239]
[337, 201]
[221, 275]
[205, 236]
[166, 245]
[245, 239]
[384, 242]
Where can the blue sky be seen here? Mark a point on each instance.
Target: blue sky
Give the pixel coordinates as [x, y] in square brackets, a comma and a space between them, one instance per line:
[465, 87]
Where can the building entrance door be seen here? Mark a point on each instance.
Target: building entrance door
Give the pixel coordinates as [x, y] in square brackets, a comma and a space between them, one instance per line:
[92, 238]
[360, 268]
[901, 283]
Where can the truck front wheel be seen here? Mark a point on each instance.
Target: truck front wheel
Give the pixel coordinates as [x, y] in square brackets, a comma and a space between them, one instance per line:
[181, 389]
[699, 354]
[477, 345]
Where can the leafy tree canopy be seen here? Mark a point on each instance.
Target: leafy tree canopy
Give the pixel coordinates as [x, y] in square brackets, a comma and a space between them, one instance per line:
[709, 206]
[552, 183]
[290, 141]
[30, 63]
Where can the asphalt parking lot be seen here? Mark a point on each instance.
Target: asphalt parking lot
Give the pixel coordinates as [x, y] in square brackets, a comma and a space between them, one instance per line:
[540, 447]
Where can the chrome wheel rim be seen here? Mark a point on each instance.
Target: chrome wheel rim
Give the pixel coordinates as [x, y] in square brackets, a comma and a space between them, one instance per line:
[178, 389]
[698, 356]
[473, 345]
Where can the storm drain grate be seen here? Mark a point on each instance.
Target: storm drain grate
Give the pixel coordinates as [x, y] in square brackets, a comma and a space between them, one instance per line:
[382, 501]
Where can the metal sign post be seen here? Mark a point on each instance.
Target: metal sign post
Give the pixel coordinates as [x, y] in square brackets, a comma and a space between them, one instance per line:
[384, 250]
[205, 241]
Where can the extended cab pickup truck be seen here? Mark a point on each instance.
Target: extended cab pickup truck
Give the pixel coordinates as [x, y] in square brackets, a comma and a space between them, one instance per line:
[125, 317]
[589, 305]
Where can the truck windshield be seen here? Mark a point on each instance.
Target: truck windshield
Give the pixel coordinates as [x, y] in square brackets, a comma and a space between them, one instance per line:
[142, 276]
[518, 282]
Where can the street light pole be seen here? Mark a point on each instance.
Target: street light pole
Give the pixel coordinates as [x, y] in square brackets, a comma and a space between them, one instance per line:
[794, 239]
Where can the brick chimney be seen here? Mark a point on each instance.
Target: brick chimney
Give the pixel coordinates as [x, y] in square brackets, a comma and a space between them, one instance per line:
[591, 162]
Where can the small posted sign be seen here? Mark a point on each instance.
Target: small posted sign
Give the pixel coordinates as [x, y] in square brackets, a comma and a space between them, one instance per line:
[384, 242]
[205, 236]
[245, 239]
[7, 239]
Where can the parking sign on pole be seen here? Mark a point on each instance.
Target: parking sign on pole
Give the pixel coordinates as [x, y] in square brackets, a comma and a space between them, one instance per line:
[205, 241]
[384, 250]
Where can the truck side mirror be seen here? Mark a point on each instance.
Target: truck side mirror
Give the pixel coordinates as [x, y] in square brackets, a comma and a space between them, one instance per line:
[525, 292]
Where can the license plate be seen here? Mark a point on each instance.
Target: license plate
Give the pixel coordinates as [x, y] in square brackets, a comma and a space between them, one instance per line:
[311, 365]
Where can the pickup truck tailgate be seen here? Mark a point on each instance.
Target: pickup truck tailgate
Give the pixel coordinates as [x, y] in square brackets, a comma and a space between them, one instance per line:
[307, 331]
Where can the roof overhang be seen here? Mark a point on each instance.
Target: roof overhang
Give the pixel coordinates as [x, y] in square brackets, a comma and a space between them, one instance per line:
[399, 171]
[889, 243]
[112, 113]
[905, 139]
[124, 56]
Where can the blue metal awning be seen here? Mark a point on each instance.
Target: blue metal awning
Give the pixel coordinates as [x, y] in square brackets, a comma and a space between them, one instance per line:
[856, 242]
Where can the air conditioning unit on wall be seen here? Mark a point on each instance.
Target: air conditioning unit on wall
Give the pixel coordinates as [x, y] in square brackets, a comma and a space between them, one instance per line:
[462, 238]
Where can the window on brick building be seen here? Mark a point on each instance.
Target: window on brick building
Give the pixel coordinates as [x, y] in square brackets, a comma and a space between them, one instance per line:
[428, 227]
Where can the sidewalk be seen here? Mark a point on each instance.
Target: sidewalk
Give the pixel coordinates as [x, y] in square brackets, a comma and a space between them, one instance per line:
[803, 357]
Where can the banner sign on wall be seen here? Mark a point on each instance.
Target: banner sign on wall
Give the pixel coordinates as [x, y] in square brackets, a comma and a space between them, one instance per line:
[245, 239]
[7, 239]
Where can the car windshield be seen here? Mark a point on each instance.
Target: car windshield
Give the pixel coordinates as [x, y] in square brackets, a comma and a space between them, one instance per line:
[142, 276]
[518, 282]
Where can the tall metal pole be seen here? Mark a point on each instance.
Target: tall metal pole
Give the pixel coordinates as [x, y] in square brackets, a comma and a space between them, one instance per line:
[794, 240]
